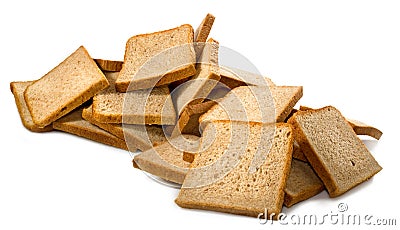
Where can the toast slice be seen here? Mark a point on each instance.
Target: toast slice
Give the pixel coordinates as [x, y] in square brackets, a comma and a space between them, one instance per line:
[200, 85]
[147, 106]
[74, 123]
[233, 77]
[18, 88]
[337, 155]
[144, 63]
[255, 104]
[188, 122]
[108, 65]
[201, 34]
[166, 160]
[301, 184]
[221, 177]
[142, 137]
[64, 88]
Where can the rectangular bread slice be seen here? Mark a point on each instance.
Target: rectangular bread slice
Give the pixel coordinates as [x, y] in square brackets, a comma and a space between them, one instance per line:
[18, 89]
[337, 155]
[242, 169]
[301, 184]
[157, 59]
[147, 106]
[188, 122]
[200, 85]
[108, 65]
[64, 88]
[74, 123]
[142, 137]
[166, 160]
[234, 77]
[255, 103]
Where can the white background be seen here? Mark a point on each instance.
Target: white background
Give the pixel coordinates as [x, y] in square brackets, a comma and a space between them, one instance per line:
[344, 53]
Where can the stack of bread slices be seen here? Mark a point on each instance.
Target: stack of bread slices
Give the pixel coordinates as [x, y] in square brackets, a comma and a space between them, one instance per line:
[231, 139]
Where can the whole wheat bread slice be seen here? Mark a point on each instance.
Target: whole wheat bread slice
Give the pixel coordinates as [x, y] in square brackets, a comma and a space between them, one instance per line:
[74, 123]
[337, 155]
[200, 85]
[255, 103]
[142, 137]
[64, 88]
[220, 177]
[18, 89]
[188, 122]
[301, 184]
[234, 77]
[145, 64]
[108, 65]
[147, 106]
[166, 160]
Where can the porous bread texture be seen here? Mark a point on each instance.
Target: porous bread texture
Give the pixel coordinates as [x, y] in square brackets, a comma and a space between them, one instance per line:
[74, 123]
[301, 184]
[337, 155]
[166, 160]
[147, 106]
[142, 137]
[203, 82]
[221, 177]
[18, 89]
[109, 65]
[64, 88]
[359, 127]
[158, 58]
[255, 103]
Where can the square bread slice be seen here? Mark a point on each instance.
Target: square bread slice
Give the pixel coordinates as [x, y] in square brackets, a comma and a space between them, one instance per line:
[188, 122]
[233, 77]
[64, 88]
[108, 65]
[147, 106]
[142, 137]
[255, 103]
[157, 59]
[18, 88]
[331, 146]
[223, 177]
[74, 123]
[166, 160]
[301, 184]
[200, 85]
